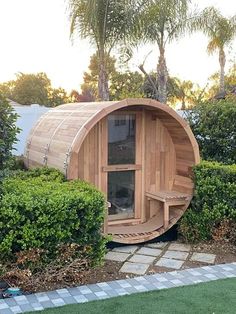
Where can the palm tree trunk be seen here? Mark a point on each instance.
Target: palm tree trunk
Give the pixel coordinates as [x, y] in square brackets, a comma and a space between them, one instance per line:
[222, 70]
[183, 106]
[162, 76]
[103, 89]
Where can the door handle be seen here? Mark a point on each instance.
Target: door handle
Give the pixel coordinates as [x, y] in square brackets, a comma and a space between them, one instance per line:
[121, 168]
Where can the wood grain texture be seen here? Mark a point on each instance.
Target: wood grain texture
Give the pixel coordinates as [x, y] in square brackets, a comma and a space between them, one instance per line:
[73, 138]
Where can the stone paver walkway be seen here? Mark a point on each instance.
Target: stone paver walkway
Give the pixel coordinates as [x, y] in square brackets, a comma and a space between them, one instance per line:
[140, 259]
[104, 290]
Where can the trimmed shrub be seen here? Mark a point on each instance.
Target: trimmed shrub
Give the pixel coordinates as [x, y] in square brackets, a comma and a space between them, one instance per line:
[214, 126]
[40, 210]
[213, 204]
[45, 174]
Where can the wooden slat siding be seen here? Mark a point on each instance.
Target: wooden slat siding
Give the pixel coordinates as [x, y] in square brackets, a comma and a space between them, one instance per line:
[164, 175]
[183, 184]
[159, 156]
[143, 173]
[184, 180]
[57, 162]
[185, 155]
[74, 174]
[99, 137]
[96, 156]
[181, 162]
[38, 148]
[168, 151]
[159, 128]
[88, 157]
[36, 157]
[147, 150]
[81, 162]
[152, 150]
[88, 110]
[172, 164]
[182, 189]
[138, 173]
[92, 156]
[59, 146]
[104, 154]
[182, 147]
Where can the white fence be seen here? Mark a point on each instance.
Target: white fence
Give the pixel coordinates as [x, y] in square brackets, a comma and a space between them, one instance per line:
[28, 115]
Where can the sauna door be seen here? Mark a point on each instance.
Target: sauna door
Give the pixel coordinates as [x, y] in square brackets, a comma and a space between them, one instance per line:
[122, 166]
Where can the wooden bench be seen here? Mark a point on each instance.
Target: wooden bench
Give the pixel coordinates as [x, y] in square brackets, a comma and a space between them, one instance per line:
[168, 198]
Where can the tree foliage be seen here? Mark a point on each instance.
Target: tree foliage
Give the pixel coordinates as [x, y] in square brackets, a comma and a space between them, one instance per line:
[214, 126]
[8, 132]
[31, 88]
[126, 85]
[121, 84]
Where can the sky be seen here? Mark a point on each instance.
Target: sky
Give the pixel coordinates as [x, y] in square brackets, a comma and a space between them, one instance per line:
[35, 38]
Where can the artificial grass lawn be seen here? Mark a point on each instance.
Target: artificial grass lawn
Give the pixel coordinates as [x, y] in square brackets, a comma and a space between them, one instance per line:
[216, 297]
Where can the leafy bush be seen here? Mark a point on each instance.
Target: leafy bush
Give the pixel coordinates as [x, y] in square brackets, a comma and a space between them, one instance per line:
[8, 132]
[213, 204]
[214, 126]
[39, 210]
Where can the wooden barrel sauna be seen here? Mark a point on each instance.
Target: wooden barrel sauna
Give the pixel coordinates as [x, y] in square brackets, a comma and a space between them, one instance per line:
[138, 152]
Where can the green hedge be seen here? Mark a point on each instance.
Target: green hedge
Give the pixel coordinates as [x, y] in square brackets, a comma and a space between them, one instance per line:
[39, 209]
[213, 205]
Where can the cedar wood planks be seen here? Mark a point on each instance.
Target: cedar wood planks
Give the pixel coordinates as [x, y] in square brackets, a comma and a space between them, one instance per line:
[73, 137]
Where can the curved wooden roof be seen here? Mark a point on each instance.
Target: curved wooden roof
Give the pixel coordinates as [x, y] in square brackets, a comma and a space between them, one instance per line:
[57, 137]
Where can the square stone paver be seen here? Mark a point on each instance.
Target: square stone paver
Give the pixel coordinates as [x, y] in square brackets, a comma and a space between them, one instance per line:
[176, 255]
[203, 257]
[149, 251]
[134, 268]
[116, 256]
[179, 247]
[144, 259]
[157, 245]
[126, 249]
[169, 263]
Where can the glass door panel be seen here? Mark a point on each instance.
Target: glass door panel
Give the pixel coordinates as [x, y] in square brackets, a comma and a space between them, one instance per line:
[121, 185]
[121, 139]
[120, 166]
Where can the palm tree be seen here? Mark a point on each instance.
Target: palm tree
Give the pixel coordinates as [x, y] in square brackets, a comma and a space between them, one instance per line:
[181, 91]
[161, 22]
[105, 23]
[221, 32]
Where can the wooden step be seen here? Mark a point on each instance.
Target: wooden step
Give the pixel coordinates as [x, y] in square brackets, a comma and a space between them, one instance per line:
[142, 232]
